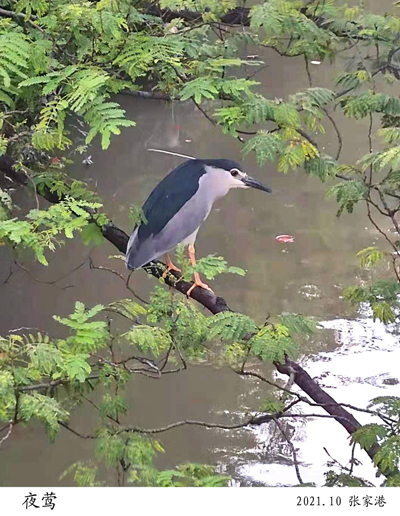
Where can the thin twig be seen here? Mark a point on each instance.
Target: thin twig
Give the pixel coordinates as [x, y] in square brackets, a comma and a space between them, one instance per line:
[253, 421]
[308, 70]
[10, 427]
[204, 112]
[19, 135]
[307, 137]
[34, 190]
[258, 70]
[339, 136]
[53, 282]
[8, 275]
[291, 445]
[343, 468]
[386, 238]
[390, 213]
[352, 458]
[126, 281]
[15, 330]
[370, 146]
[78, 434]
[312, 404]
[52, 384]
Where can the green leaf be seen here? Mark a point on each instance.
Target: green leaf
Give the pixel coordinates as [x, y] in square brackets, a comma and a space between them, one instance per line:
[387, 405]
[370, 256]
[148, 339]
[266, 146]
[369, 435]
[387, 457]
[199, 88]
[77, 367]
[92, 233]
[273, 343]
[86, 336]
[348, 194]
[380, 291]
[189, 328]
[7, 396]
[136, 214]
[235, 87]
[383, 311]
[323, 167]
[230, 326]
[298, 324]
[104, 118]
[344, 480]
[6, 205]
[292, 156]
[43, 408]
[393, 178]
[134, 449]
[196, 475]
[349, 80]
[362, 105]
[287, 114]
[320, 96]
[211, 266]
[393, 481]
[110, 447]
[390, 134]
[45, 357]
[257, 109]
[229, 118]
[127, 308]
[113, 406]
[84, 474]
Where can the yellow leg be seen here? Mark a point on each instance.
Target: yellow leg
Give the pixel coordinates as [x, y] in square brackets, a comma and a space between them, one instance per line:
[170, 265]
[197, 280]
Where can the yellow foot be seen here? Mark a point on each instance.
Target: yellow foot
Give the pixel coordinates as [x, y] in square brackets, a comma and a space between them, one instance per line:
[198, 283]
[170, 266]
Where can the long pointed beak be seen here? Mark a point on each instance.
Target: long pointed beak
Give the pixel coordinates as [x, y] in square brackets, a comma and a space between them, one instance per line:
[253, 183]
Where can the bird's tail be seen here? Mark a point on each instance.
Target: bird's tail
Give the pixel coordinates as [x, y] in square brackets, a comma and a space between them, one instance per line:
[131, 251]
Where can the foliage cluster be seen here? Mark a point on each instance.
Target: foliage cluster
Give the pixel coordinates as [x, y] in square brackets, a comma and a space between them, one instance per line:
[37, 371]
[59, 61]
[62, 63]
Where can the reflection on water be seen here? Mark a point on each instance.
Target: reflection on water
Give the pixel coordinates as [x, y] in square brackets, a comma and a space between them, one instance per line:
[364, 366]
[353, 357]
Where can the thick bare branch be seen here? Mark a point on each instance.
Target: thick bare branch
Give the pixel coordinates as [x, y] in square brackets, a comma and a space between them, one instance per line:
[216, 304]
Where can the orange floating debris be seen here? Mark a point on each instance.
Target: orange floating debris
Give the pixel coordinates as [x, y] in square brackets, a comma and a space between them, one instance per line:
[285, 239]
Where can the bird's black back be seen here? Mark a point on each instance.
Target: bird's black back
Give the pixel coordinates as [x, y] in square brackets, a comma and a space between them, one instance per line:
[173, 192]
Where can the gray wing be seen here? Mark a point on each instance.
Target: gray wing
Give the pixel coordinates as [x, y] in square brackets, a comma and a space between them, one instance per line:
[183, 224]
[169, 196]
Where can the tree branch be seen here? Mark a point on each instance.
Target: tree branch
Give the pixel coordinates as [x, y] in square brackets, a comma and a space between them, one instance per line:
[216, 304]
[82, 436]
[253, 421]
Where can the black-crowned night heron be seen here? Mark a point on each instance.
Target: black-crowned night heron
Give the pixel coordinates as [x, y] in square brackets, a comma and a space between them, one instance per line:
[178, 206]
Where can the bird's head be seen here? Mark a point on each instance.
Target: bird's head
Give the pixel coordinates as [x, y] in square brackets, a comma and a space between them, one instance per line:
[230, 175]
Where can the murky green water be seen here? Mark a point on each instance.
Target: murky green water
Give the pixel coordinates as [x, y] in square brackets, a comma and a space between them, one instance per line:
[352, 358]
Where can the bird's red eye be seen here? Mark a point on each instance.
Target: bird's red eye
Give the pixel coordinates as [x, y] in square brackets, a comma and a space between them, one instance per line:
[234, 172]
